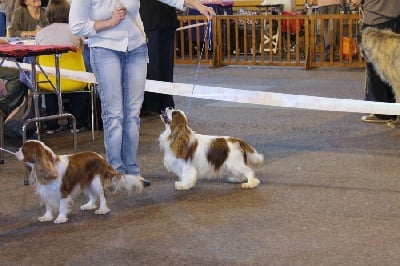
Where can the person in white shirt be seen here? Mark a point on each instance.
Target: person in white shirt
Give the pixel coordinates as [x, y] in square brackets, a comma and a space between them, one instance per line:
[118, 55]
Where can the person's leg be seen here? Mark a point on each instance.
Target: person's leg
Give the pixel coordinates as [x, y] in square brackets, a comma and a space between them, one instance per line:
[334, 26]
[51, 109]
[323, 10]
[167, 66]
[16, 90]
[151, 102]
[160, 67]
[78, 107]
[107, 67]
[378, 91]
[133, 84]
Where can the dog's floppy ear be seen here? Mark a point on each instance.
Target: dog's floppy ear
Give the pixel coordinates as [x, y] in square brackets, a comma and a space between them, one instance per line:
[44, 164]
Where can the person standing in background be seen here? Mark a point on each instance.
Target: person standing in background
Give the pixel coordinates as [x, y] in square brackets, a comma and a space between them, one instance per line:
[381, 15]
[160, 23]
[119, 57]
[28, 19]
[330, 7]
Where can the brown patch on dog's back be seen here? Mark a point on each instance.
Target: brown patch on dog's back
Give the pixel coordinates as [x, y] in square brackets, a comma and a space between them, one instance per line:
[83, 173]
[218, 153]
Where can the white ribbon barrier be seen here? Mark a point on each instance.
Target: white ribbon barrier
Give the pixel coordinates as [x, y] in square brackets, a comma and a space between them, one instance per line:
[51, 71]
[240, 96]
[273, 99]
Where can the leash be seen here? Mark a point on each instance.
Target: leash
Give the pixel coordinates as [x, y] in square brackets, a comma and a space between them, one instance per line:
[207, 31]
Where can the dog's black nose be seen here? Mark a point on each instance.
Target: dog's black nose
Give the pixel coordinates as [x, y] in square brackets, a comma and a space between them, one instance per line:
[146, 182]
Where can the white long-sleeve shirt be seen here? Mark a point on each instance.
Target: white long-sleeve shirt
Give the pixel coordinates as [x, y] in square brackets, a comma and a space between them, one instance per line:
[127, 35]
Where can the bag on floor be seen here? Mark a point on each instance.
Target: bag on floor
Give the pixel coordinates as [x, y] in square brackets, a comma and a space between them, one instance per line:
[15, 120]
[350, 48]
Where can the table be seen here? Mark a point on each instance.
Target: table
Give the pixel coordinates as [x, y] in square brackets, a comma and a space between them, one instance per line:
[17, 52]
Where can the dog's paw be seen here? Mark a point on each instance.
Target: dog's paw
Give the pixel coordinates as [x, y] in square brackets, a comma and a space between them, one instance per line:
[60, 219]
[251, 184]
[102, 211]
[45, 218]
[87, 206]
[181, 186]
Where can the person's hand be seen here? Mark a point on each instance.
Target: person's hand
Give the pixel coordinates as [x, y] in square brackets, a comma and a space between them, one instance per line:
[207, 11]
[204, 10]
[3, 88]
[355, 2]
[118, 15]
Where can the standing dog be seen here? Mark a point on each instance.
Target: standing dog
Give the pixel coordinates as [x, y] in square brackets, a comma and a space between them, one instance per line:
[191, 156]
[381, 48]
[60, 178]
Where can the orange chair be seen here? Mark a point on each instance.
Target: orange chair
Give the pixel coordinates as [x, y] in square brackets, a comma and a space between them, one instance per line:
[290, 28]
[70, 61]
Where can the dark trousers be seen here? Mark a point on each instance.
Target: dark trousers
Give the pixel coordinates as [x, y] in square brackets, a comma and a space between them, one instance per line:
[160, 67]
[16, 90]
[77, 107]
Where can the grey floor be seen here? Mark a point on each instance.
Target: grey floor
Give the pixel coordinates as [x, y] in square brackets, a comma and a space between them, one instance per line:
[329, 192]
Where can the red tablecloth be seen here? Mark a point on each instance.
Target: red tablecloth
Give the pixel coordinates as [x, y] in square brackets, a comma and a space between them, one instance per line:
[22, 50]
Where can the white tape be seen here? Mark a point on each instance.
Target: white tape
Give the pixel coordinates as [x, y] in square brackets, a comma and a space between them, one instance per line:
[64, 73]
[273, 99]
[192, 26]
[241, 96]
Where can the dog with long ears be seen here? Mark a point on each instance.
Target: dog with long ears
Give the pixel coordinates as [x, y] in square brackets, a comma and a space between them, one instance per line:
[191, 156]
[60, 178]
[381, 48]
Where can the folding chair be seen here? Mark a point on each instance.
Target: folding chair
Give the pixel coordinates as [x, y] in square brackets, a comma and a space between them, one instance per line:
[70, 61]
[271, 38]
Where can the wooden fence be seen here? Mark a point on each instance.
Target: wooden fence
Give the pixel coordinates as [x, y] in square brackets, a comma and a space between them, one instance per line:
[271, 40]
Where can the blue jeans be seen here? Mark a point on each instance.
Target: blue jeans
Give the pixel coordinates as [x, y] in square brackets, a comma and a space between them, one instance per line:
[121, 78]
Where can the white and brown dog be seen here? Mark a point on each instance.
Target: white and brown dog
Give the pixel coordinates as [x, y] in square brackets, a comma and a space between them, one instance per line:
[191, 156]
[60, 178]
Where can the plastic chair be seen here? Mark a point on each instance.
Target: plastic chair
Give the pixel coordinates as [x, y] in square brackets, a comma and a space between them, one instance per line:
[70, 61]
[270, 39]
[290, 28]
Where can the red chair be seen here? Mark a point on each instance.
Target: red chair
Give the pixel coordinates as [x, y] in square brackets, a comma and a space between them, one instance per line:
[290, 27]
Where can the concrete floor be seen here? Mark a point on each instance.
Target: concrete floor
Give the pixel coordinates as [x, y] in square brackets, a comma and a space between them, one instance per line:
[329, 192]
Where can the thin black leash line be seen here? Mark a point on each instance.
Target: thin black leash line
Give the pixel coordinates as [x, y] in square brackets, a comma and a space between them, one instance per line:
[195, 79]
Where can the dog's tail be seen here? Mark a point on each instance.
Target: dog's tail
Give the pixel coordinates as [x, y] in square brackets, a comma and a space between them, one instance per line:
[252, 157]
[128, 183]
[255, 159]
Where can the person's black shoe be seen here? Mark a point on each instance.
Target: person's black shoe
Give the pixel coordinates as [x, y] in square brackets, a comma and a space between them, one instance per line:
[146, 183]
